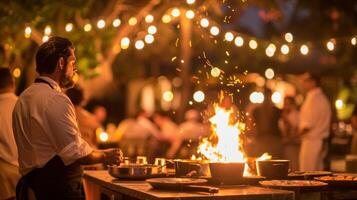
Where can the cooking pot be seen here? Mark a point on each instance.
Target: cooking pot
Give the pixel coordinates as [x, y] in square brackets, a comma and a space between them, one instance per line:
[273, 169]
[135, 171]
[191, 168]
[227, 173]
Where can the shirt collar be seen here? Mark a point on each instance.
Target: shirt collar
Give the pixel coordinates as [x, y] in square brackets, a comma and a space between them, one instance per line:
[51, 82]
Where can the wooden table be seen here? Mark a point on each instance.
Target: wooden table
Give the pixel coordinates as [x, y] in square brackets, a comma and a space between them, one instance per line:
[99, 183]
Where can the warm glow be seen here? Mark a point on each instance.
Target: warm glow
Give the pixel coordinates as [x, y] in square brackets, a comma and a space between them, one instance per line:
[16, 73]
[28, 32]
[139, 44]
[304, 49]
[330, 45]
[132, 21]
[103, 136]
[284, 49]
[214, 30]
[149, 39]
[45, 38]
[48, 30]
[149, 18]
[265, 156]
[353, 41]
[276, 97]
[256, 97]
[215, 71]
[199, 96]
[269, 73]
[239, 41]
[253, 44]
[101, 24]
[190, 1]
[69, 27]
[166, 19]
[229, 36]
[175, 12]
[87, 27]
[339, 104]
[124, 43]
[116, 22]
[190, 14]
[168, 96]
[204, 23]
[270, 50]
[289, 37]
[152, 29]
[227, 146]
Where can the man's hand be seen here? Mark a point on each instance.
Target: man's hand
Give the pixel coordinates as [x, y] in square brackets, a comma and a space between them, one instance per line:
[112, 156]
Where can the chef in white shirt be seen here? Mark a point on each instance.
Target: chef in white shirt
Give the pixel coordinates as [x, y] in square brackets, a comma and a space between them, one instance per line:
[9, 167]
[49, 143]
[314, 127]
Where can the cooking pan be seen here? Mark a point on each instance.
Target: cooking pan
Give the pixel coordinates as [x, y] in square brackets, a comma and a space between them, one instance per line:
[181, 184]
[135, 171]
[273, 169]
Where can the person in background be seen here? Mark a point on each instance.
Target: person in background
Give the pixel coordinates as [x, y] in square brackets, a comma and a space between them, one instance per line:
[169, 134]
[354, 126]
[9, 166]
[289, 126]
[87, 123]
[100, 113]
[51, 149]
[314, 125]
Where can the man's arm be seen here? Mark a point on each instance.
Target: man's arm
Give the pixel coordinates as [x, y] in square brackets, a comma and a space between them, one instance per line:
[108, 157]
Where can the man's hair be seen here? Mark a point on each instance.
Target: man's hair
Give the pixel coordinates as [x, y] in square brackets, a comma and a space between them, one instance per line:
[76, 95]
[50, 52]
[6, 79]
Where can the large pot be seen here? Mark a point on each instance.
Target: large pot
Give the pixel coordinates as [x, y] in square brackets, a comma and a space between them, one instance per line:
[191, 168]
[227, 173]
[134, 171]
[273, 169]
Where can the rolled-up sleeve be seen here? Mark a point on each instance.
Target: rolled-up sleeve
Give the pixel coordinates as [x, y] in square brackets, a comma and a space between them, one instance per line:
[64, 134]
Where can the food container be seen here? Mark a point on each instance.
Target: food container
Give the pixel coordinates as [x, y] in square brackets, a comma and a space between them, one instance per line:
[273, 169]
[134, 171]
[227, 173]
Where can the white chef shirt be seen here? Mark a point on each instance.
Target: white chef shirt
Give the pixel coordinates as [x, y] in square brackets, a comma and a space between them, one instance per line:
[8, 149]
[315, 115]
[44, 125]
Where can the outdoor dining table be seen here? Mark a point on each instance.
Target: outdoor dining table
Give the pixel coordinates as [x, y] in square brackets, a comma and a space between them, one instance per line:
[99, 183]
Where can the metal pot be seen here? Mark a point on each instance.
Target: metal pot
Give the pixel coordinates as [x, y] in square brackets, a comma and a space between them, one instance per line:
[227, 173]
[191, 168]
[273, 169]
[134, 171]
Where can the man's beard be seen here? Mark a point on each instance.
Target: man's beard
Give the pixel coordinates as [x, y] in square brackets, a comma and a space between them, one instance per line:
[66, 82]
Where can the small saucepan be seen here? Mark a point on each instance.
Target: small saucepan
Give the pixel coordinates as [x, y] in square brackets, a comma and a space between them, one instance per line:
[273, 169]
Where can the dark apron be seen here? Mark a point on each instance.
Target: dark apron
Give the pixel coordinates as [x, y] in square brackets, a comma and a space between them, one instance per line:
[53, 181]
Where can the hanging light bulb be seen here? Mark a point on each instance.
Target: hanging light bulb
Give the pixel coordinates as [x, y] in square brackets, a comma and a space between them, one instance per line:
[270, 50]
[239, 41]
[175, 12]
[289, 37]
[87, 27]
[139, 44]
[116, 22]
[166, 19]
[124, 43]
[28, 32]
[204, 22]
[214, 30]
[353, 41]
[69, 27]
[152, 29]
[48, 30]
[149, 18]
[253, 44]
[101, 24]
[331, 45]
[132, 21]
[229, 36]
[190, 1]
[304, 49]
[149, 39]
[190, 14]
[284, 49]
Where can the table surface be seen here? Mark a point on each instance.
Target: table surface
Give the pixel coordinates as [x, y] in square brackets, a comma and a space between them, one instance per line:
[142, 190]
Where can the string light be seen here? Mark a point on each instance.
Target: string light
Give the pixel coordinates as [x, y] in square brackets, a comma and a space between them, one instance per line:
[139, 44]
[87, 27]
[214, 30]
[190, 14]
[45, 38]
[289, 37]
[132, 21]
[28, 32]
[199, 96]
[276, 97]
[190, 1]
[152, 29]
[269, 73]
[149, 39]
[16, 73]
[175, 12]
[239, 41]
[166, 18]
[69, 27]
[229, 36]
[339, 104]
[103, 136]
[353, 41]
[204, 22]
[149, 18]
[256, 97]
[48, 30]
[270, 50]
[116, 22]
[101, 24]
[284, 49]
[168, 96]
[253, 44]
[331, 45]
[304, 49]
[215, 72]
[124, 43]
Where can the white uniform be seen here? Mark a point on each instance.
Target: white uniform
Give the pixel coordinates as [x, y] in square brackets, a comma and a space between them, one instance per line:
[315, 115]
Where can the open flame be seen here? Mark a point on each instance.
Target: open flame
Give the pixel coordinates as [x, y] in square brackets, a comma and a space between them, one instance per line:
[224, 145]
